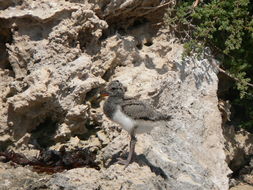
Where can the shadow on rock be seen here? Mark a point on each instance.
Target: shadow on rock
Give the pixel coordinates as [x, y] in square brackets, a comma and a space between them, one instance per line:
[51, 161]
[142, 161]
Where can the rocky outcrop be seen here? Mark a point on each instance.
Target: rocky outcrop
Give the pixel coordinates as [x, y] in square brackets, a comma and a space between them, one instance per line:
[58, 57]
[239, 151]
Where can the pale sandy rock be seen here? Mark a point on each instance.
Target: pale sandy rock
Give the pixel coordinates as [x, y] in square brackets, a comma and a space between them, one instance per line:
[238, 147]
[242, 187]
[20, 178]
[75, 141]
[248, 179]
[103, 137]
[113, 54]
[62, 133]
[52, 75]
[37, 11]
[29, 107]
[114, 148]
[74, 121]
[94, 144]
[5, 91]
[4, 138]
[112, 178]
[124, 10]
[63, 52]
[195, 127]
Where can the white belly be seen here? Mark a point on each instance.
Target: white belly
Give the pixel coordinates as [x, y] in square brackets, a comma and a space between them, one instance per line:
[126, 122]
[145, 126]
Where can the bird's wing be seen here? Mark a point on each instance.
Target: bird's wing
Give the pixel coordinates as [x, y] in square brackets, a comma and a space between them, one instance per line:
[138, 110]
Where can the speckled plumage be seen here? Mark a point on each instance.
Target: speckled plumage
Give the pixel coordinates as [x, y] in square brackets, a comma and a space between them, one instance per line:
[132, 107]
[139, 110]
[133, 115]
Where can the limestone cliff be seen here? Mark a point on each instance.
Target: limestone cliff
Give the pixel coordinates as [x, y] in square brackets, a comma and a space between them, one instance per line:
[55, 58]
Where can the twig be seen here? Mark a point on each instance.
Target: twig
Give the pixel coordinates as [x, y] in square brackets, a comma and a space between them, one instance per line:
[229, 75]
[222, 70]
[157, 7]
[152, 9]
[195, 4]
[149, 9]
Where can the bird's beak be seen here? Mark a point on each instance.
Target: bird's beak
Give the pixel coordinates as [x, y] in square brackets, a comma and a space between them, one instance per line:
[104, 94]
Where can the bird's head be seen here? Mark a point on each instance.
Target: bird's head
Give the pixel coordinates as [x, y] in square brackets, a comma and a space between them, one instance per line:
[115, 88]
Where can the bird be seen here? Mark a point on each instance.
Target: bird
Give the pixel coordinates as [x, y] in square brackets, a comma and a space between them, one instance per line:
[131, 114]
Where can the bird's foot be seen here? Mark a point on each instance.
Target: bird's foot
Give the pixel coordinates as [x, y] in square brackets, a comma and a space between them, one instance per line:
[123, 162]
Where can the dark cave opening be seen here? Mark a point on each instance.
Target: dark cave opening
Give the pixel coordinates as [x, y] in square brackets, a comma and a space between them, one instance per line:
[239, 108]
[53, 161]
[93, 128]
[42, 136]
[93, 96]
[239, 164]
[107, 75]
[232, 126]
[5, 38]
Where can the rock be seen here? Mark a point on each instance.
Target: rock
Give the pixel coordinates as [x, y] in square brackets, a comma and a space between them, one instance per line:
[167, 148]
[248, 179]
[103, 137]
[242, 187]
[112, 178]
[191, 119]
[113, 149]
[4, 138]
[5, 91]
[43, 57]
[238, 147]
[58, 55]
[20, 178]
[94, 144]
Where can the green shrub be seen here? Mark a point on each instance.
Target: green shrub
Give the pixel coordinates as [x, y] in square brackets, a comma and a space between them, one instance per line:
[227, 28]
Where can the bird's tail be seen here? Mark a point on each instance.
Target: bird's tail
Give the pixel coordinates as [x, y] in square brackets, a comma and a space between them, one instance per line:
[166, 117]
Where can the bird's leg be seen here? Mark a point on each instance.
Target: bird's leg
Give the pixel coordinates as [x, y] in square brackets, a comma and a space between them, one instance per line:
[131, 151]
[132, 148]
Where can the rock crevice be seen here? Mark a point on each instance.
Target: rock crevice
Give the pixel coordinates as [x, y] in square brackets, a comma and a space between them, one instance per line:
[62, 53]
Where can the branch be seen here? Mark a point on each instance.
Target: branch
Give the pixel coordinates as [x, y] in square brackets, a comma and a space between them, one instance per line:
[228, 74]
[157, 7]
[195, 4]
